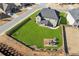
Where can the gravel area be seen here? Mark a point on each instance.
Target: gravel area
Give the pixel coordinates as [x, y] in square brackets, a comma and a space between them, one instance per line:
[72, 37]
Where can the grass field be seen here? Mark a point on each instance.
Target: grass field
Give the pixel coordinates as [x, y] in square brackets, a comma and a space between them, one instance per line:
[33, 34]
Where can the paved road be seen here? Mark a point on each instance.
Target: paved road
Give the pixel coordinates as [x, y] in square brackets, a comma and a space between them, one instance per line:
[19, 19]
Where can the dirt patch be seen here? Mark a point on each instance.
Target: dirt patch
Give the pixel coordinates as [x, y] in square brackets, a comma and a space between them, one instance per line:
[27, 51]
[16, 45]
[49, 53]
[72, 37]
[60, 6]
[2, 22]
[5, 20]
[50, 42]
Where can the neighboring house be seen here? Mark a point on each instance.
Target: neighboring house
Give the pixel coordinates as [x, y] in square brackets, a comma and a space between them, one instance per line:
[48, 17]
[73, 17]
[2, 13]
[9, 8]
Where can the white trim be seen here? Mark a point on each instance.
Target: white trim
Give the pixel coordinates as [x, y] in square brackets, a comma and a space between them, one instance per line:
[70, 19]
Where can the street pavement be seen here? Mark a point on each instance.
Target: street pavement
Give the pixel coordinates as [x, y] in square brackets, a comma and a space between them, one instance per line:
[4, 28]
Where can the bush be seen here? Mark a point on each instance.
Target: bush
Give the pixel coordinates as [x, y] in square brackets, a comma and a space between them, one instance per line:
[63, 19]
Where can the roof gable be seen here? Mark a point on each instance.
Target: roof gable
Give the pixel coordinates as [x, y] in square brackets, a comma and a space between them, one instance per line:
[49, 13]
[75, 13]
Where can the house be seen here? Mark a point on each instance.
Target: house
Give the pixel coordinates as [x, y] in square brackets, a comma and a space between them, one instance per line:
[73, 17]
[2, 13]
[9, 8]
[48, 17]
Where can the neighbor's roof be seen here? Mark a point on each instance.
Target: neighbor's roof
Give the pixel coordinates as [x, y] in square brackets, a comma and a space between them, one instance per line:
[49, 13]
[5, 5]
[74, 13]
[1, 11]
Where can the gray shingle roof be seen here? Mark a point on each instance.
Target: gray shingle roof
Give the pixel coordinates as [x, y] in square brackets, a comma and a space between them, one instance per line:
[74, 13]
[49, 13]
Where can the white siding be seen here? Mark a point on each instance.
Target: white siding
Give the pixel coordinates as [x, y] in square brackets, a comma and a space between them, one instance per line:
[52, 21]
[70, 19]
[38, 19]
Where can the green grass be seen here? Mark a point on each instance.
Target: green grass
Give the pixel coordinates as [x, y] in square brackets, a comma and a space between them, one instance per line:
[33, 34]
[63, 19]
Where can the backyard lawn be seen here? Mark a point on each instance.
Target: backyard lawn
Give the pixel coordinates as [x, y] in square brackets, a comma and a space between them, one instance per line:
[33, 34]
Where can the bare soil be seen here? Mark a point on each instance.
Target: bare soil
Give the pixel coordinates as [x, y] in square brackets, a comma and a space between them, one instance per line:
[60, 6]
[16, 45]
[2, 22]
[27, 51]
[49, 53]
[72, 36]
